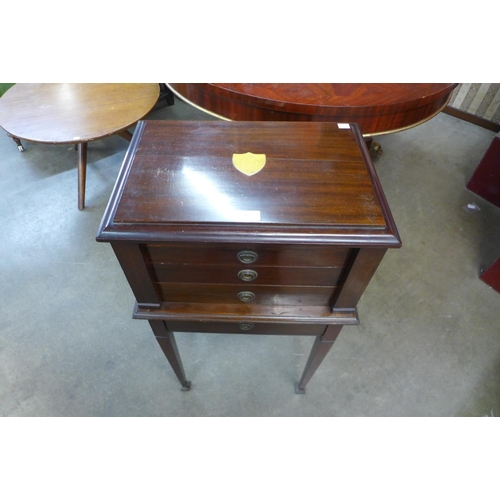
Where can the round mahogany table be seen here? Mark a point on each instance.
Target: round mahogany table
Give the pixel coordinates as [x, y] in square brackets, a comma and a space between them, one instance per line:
[378, 108]
[76, 113]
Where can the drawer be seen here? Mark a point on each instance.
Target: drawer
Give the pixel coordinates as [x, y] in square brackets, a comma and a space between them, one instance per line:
[245, 327]
[258, 254]
[238, 274]
[262, 295]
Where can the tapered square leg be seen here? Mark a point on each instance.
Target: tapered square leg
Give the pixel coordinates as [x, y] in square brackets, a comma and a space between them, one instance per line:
[168, 345]
[321, 346]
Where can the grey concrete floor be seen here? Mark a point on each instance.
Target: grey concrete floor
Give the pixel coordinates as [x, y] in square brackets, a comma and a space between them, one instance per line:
[428, 343]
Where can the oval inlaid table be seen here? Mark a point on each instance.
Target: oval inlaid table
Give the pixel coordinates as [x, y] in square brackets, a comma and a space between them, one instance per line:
[75, 113]
[378, 108]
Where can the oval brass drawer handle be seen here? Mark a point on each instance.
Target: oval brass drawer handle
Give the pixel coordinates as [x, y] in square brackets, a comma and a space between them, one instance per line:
[247, 275]
[245, 326]
[246, 296]
[247, 256]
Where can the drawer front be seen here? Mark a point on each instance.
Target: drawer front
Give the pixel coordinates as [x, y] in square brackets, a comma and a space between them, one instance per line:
[247, 294]
[258, 275]
[261, 255]
[245, 327]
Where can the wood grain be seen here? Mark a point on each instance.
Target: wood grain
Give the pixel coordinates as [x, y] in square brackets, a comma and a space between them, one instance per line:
[376, 107]
[61, 113]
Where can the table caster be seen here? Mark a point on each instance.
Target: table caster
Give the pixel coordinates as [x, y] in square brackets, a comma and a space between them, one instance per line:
[18, 142]
[375, 150]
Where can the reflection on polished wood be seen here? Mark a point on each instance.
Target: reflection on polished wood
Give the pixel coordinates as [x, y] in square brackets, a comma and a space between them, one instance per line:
[376, 108]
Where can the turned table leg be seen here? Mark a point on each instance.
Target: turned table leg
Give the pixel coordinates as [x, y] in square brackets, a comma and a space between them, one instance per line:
[321, 346]
[82, 173]
[168, 345]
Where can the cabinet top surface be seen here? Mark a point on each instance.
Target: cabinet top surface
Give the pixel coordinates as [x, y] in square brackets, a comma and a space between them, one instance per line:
[183, 173]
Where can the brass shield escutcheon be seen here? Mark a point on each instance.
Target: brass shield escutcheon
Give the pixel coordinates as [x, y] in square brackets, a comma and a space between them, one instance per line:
[249, 163]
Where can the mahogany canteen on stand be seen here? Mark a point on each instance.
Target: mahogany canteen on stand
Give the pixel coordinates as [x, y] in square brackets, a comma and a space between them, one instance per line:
[271, 228]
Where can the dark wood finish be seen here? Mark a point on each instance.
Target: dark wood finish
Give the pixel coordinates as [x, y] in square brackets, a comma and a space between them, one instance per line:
[322, 344]
[75, 113]
[264, 295]
[205, 187]
[279, 313]
[203, 273]
[492, 276]
[308, 231]
[266, 255]
[359, 273]
[125, 134]
[168, 345]
[135, 263]
[485, 182]
[247, 327]
[469, 117]
[378, 108]
[82, 173]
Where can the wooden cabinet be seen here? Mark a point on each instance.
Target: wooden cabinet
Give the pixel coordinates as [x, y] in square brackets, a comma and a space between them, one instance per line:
[282, 241]
[485, 182]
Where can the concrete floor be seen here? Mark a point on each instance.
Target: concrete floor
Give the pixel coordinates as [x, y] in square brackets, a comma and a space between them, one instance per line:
[428, 343]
